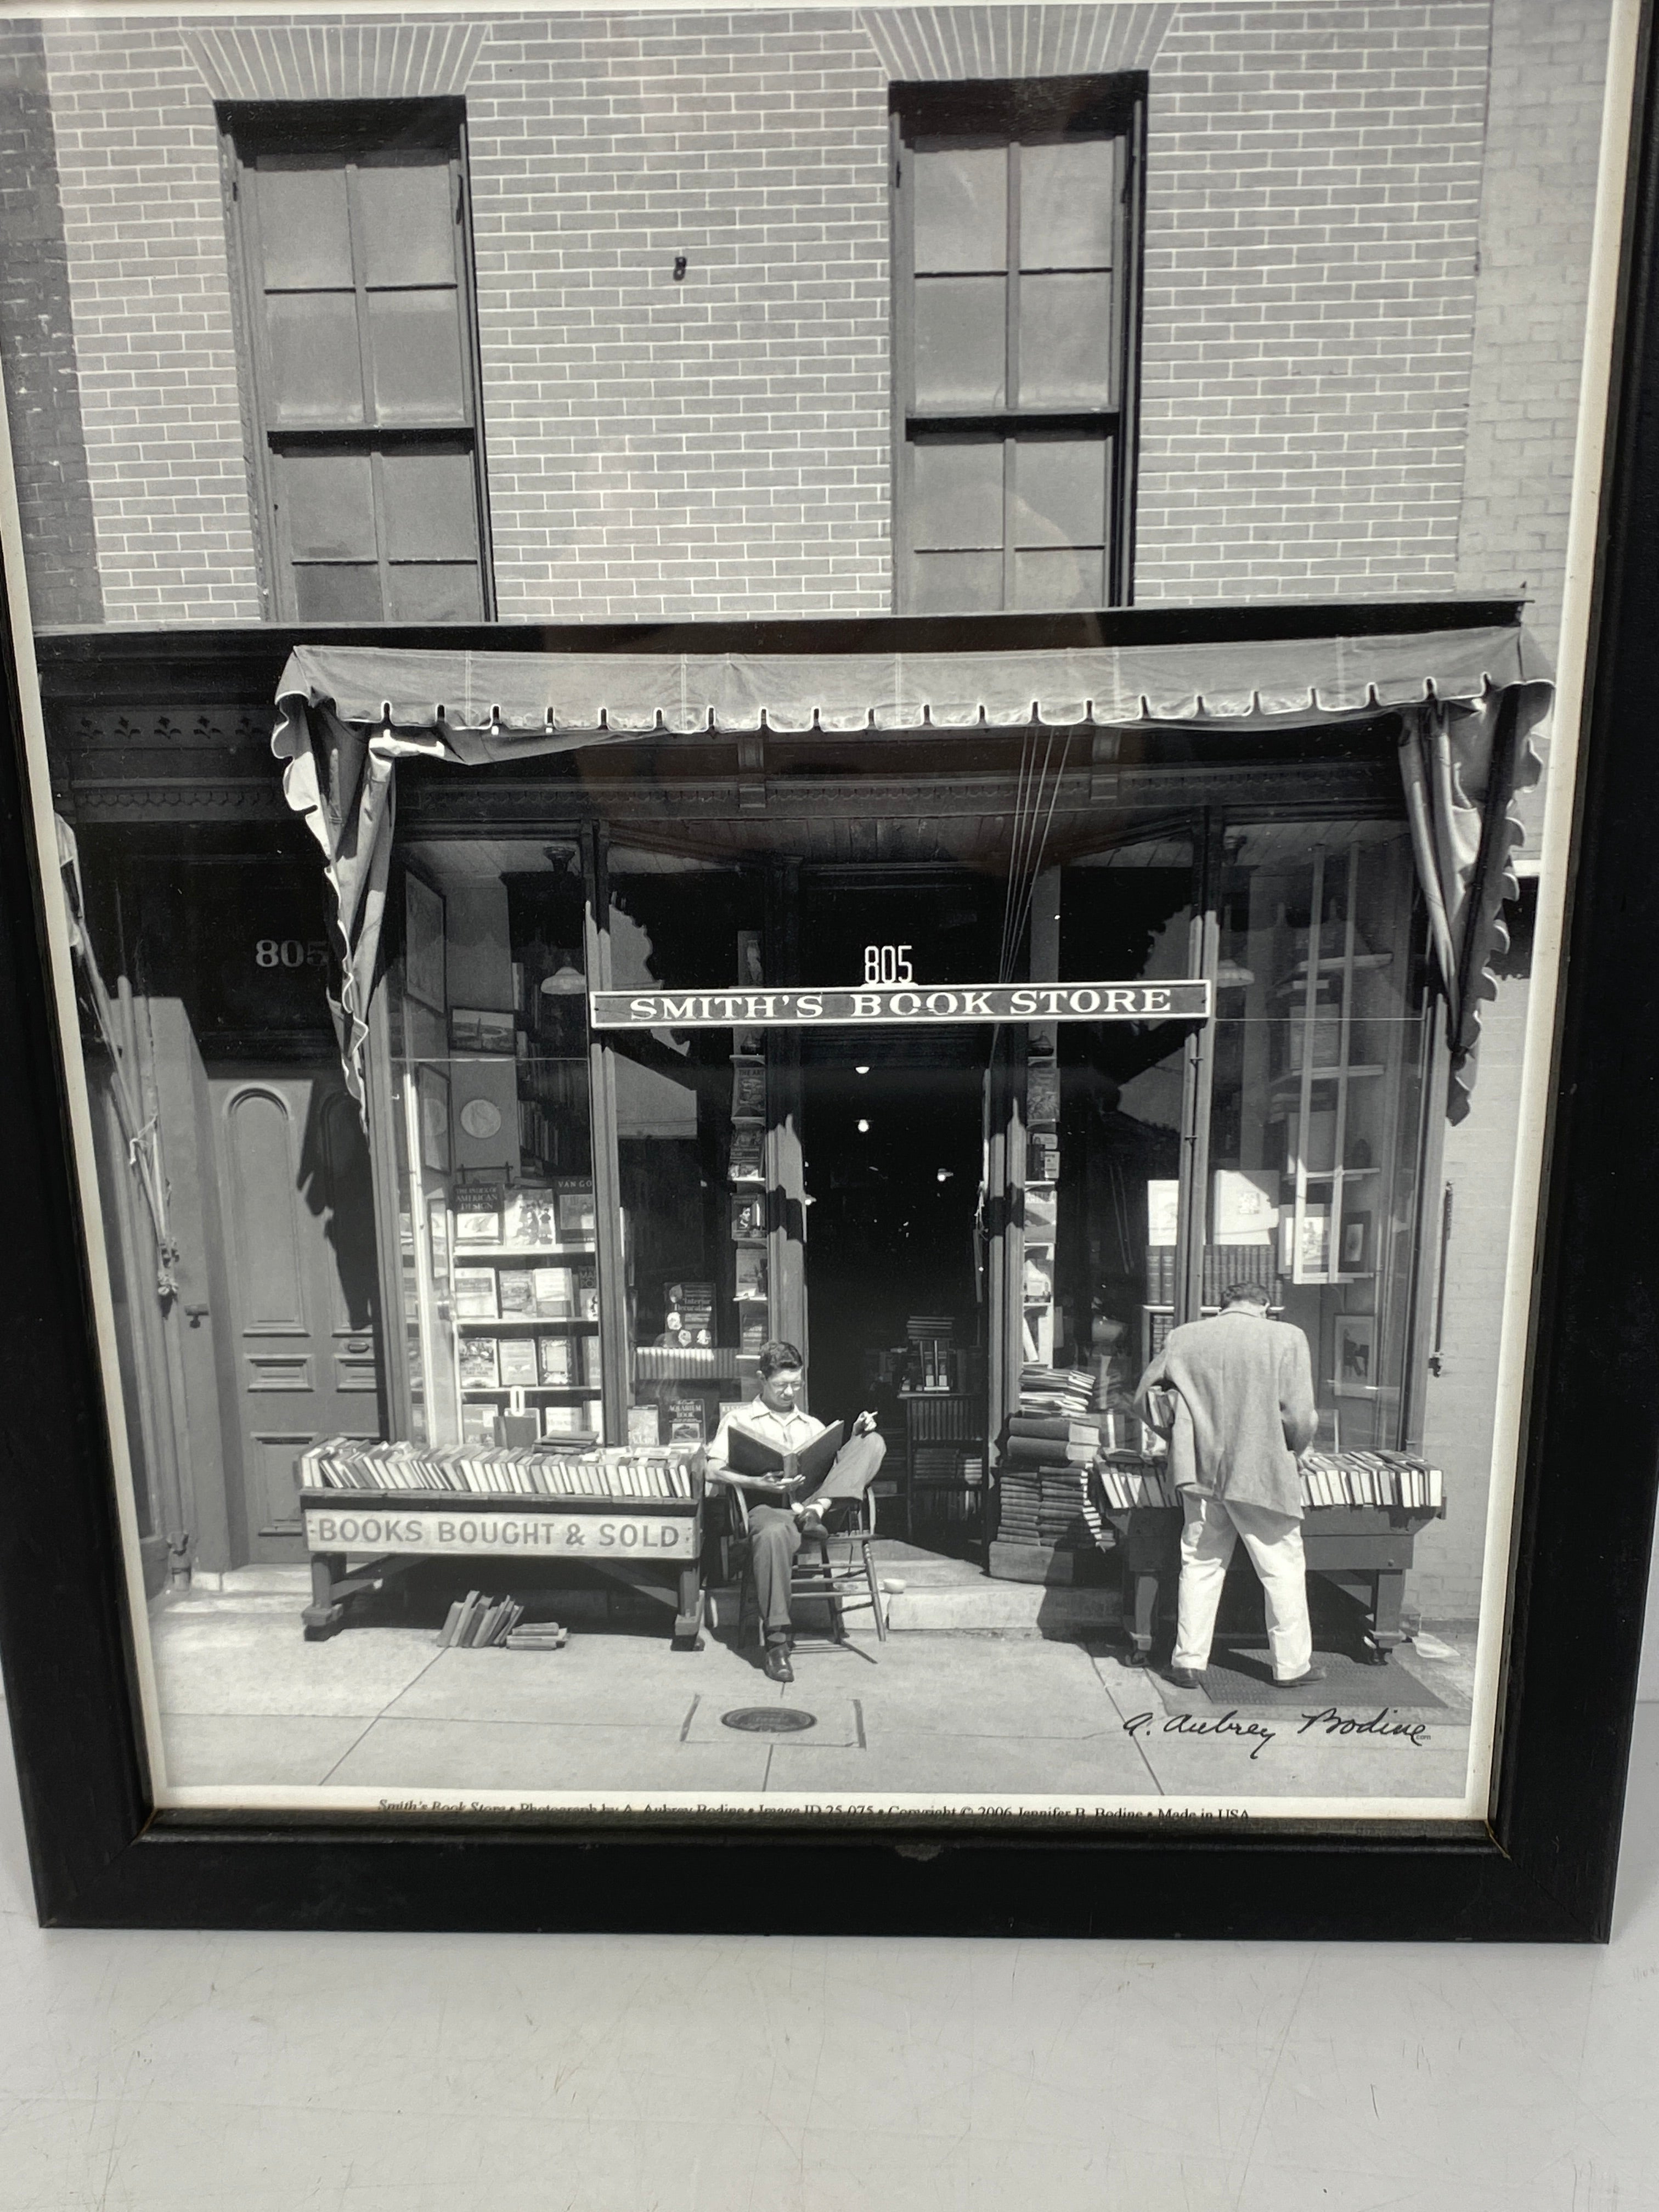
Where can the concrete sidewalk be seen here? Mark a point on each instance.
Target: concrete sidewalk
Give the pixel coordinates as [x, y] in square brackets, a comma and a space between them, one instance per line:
[245, 1701]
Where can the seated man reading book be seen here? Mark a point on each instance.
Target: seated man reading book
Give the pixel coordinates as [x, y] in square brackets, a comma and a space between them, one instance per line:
[754, 1450]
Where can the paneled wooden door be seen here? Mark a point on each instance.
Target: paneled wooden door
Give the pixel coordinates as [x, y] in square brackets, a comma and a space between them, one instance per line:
[298, 1357]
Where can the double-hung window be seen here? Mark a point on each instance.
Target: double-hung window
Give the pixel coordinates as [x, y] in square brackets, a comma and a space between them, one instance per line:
[351, 222]
[1016, 243]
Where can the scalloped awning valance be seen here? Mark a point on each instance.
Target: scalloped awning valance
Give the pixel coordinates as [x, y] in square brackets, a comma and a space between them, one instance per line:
[477, 708]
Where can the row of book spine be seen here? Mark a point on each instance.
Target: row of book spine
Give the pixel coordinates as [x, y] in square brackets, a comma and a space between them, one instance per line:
[1359, 1478]
[340, 1463]
[1327, 1480]
[1224, 1264]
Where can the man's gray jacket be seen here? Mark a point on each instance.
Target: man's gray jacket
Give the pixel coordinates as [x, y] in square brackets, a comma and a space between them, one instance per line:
[1244, 1408]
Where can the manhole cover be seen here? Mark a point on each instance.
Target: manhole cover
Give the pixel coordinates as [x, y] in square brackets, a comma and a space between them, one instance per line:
[769, 1720]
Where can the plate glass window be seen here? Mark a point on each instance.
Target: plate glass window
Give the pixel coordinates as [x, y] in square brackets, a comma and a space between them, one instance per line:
[351, 222]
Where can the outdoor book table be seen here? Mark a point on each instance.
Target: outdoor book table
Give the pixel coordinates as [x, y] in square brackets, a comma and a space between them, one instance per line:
[1364, 1546]
[635, 1516]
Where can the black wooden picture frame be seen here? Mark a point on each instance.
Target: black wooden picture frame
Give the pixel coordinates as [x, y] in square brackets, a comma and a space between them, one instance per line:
[1540, 1868]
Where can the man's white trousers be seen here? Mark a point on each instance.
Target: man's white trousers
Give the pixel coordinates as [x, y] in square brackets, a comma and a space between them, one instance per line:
[1273, 1541]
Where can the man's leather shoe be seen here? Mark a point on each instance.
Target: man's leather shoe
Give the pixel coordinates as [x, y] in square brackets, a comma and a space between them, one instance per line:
[811, 1525]
[778, 1669]
[1185, 1678]
[1295, 1681]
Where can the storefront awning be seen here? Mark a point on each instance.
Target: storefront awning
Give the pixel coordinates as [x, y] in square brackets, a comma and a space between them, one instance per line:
[1468, 698]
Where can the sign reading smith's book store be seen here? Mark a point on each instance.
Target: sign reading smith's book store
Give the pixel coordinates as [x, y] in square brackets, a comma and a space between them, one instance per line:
[1185, 1000]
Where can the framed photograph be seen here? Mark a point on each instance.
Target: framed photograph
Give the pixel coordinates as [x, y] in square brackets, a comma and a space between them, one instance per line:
[1356, 1351]
[432, 1096]
[423, 943]
[1355, 1255]
[911, 838]
[483, 1030]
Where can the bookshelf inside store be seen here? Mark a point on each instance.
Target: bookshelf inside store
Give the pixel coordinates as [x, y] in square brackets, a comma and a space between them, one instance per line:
[487, 1016]
[691, 1150]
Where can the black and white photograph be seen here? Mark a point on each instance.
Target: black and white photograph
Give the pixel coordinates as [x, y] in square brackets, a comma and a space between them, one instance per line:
[805, 778]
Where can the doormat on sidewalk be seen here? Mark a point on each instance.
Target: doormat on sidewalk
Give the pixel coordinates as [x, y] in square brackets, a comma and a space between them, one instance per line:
[1242, 1675]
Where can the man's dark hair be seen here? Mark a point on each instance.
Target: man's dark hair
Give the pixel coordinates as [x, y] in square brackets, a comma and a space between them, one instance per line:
[777, 1356]
[1247, 1294]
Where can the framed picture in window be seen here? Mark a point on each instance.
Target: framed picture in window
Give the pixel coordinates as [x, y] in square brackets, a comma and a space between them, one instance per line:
[919, 900]
[1354, 1256]
[432, 1097]
[423, 942]
[1355, 1352]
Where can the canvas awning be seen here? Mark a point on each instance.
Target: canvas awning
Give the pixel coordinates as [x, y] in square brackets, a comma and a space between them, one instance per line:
[1468, 698]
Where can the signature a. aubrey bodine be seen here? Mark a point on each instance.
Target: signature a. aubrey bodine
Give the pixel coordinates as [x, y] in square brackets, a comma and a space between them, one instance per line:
[1330, 1720]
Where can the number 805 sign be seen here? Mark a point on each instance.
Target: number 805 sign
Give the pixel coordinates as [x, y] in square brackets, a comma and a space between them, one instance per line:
[290, 953]
[888, 963]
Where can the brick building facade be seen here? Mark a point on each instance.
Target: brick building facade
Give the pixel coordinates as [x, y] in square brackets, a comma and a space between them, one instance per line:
[1365, 255]
[1366, 233]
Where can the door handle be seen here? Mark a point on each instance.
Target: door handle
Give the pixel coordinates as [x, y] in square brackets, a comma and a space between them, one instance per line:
[357, 1344]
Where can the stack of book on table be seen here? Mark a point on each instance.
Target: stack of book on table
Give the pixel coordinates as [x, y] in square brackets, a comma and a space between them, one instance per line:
[1371, 1477]
[1328, 1478]
[609, 1472]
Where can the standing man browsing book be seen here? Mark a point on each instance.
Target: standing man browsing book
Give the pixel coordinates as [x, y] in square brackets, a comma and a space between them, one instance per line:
[777, 1516]
[1242, 1411]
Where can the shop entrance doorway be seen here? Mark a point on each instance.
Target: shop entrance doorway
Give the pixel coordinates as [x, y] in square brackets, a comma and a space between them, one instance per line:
[894, 1128]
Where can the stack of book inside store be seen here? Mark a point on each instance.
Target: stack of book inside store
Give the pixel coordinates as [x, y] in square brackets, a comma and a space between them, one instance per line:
[1050, 1448]
[447, 1470]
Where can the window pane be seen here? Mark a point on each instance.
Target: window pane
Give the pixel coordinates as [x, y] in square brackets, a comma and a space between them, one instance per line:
[430, 507]
[405, 217]
[955, 583]
[1074, 576]
[304, 238]
[961, 347]
[1124, 914]
[1317, 1104]
[961, 200]
[957, 493]
[314, 368]
[335, 592]
[414, 352]
[1068, 204]
[1064, 341]
[331, 505]
[434, 591]
[698, 1305]
[1059, 491]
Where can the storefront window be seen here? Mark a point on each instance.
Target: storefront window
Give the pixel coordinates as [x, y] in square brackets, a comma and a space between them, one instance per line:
[1316, 1115]
[691, 1148]
[493, 1161]
[1126, 915]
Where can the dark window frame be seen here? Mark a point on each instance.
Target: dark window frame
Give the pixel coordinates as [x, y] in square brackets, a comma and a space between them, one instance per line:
[1022, 109]
[350, 128]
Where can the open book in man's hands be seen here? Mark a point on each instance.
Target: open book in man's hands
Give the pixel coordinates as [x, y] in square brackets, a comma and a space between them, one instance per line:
[795, 1471]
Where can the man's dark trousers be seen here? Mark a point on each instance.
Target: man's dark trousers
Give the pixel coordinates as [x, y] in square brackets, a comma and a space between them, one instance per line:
[774, 1543]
